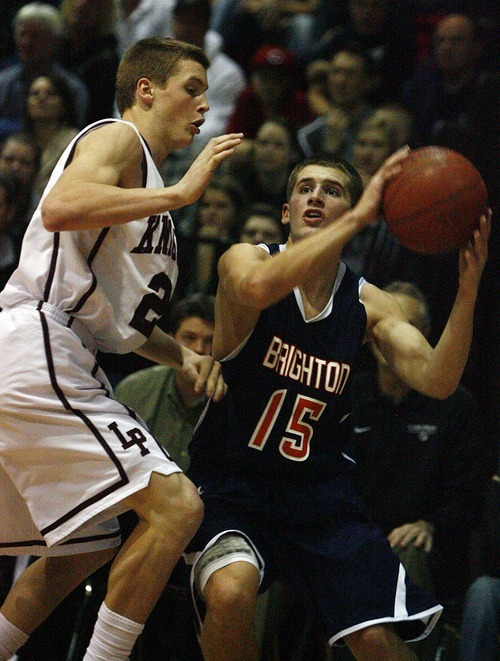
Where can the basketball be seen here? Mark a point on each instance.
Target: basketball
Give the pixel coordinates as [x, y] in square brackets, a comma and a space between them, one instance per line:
[434, 204]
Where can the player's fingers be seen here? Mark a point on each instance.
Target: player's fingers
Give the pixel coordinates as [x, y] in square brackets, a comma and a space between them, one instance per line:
[394, 537]
[397, 157]
[220, 389]
[204, 367]
[211, 382]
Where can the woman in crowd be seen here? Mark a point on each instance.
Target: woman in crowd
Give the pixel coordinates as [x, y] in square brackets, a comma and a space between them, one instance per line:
[51, 120]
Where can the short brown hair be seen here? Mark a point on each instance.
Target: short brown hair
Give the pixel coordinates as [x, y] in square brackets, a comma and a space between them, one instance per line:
[155, 58]
[355, 185]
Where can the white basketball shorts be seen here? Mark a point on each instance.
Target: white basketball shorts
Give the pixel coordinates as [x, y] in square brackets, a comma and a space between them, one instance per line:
[69, 452]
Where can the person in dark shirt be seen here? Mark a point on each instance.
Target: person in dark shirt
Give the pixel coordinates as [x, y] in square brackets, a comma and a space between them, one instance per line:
[418, 463]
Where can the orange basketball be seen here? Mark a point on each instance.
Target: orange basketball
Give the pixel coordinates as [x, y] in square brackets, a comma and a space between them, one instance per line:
[434, 203]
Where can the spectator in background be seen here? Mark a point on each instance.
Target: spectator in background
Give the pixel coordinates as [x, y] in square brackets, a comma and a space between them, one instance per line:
[274, 92]
[89, 50]
[374, 252]
[9, 243]
[291, 24]
[262, 224]
[418, 464]
[38, 29]
[385, 29]
[163, 397]
[445, 89]
[215, 228]
[20, 158]
[138, 19]
[481, 613]
[344, 105]
[375, 140]
[274, 154]
[51, 120]
[398, 119]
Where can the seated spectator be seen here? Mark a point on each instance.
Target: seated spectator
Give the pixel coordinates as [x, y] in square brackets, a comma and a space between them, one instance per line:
[51, 120]
[190, 22]
[345, 105]
[375, 252]
[262, 224]
[385, 28]
[418, 464]
[138, 19]
[480, 625]
[249, 22]
[397, 119]
[375, 140]
[20, 158]
[274, 154]
[37, 31]
[90, 51]
[274, 92]
[163, 397]
[446, 88]
[9, 242]
[215, 228]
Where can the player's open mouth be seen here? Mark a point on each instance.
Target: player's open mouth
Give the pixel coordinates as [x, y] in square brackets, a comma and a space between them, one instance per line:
[198, 124]
[313, 215]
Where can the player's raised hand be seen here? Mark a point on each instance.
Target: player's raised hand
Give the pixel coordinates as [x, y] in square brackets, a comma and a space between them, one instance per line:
[369, 206]
[199, 175]
[473, 256]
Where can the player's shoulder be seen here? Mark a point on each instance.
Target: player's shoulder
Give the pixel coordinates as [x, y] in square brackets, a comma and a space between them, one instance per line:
[115, 140]
[240, 253]
[379, 304]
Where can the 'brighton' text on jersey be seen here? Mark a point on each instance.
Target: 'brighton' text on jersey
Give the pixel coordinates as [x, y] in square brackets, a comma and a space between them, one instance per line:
[289, 361]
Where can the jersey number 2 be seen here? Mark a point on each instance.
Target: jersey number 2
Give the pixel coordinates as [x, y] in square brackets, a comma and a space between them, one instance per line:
[296, 449]
[152, 306]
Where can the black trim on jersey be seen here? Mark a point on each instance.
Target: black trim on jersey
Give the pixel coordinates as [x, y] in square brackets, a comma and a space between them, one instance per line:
[52, 269]
[144, 170]
[68, 542]
[90, 259]
[88, 423]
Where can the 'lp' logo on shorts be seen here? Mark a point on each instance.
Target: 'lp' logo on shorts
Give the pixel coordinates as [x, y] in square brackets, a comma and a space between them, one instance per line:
[135, 437]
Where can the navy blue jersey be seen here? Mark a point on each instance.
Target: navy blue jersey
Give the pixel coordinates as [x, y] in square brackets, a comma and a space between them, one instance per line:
[287, 393]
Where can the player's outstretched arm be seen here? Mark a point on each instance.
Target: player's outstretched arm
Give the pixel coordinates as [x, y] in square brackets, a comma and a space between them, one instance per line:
[102, 186]
[203, 371]
[435, 372]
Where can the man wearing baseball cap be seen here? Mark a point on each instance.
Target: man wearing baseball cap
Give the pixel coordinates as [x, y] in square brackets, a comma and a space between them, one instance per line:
[274, 92]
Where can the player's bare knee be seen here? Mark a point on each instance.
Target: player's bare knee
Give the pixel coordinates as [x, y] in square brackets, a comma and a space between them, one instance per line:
[169, 501]
[372, 640]
[232, 590]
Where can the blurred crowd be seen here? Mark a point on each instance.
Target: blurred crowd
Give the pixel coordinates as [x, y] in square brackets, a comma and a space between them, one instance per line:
[354, 78]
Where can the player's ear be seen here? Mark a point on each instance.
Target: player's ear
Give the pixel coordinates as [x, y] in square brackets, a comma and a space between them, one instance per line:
[285, 214]
[145, 91]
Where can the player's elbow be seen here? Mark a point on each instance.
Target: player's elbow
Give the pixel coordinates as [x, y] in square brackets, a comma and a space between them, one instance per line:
[440, 388]
[257, 291]
[57, 215]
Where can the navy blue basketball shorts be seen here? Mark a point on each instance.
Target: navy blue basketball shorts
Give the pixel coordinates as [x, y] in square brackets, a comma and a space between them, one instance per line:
[317, 540]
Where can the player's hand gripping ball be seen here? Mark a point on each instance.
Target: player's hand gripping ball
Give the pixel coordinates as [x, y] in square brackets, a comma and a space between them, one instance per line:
[434, 203]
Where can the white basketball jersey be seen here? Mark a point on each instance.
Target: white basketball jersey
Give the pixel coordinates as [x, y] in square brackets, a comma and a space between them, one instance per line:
[117, 281]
